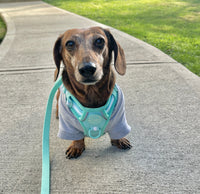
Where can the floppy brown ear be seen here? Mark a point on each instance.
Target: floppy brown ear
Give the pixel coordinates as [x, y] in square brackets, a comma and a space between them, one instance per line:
[57, 56]
[119, 57]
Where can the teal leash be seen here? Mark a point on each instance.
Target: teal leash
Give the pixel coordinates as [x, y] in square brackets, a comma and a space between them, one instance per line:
[45, 184]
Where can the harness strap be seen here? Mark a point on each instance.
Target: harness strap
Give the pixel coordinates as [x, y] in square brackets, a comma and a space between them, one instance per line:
[45, 184]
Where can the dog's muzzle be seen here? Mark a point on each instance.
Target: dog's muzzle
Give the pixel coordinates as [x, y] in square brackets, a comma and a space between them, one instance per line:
[87, 70]
[88, 73]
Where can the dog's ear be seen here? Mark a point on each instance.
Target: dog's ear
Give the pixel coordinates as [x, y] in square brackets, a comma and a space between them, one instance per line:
[119, 57]
[57, 56]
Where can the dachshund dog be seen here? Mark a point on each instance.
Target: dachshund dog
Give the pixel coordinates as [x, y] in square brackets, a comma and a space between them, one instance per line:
[89, 77]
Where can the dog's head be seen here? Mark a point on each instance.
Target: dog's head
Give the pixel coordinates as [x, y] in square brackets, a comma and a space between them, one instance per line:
[87, 54]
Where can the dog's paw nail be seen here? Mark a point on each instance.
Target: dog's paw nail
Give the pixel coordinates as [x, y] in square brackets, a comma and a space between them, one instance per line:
[66, 153]
[129, 146]
[126, 146]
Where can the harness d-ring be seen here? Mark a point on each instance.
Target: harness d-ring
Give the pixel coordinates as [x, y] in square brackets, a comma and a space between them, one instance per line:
[45, 183]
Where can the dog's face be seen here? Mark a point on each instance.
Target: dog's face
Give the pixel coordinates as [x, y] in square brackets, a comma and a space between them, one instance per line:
[84, 51]
[86, 54]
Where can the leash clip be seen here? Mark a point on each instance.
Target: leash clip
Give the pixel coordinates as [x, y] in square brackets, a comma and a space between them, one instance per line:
[94, 132]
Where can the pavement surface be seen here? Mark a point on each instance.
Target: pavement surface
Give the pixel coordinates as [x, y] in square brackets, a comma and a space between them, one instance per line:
[162, 106]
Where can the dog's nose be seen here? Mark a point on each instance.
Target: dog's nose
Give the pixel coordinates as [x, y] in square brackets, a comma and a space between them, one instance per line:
[87, 69]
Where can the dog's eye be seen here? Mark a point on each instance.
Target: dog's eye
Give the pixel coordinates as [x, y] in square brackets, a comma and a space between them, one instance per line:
[99, 42]
[70, 45]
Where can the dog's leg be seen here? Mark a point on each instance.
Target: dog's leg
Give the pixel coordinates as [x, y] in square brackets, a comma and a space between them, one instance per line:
[75, 149]
[57, 98]
[122, 143]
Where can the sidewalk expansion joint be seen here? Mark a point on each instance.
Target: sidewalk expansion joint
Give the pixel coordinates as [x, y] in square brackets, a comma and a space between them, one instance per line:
[24, 70]
[149, 62]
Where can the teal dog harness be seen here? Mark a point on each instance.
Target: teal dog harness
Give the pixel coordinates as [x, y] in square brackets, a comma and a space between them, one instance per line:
[92, 120]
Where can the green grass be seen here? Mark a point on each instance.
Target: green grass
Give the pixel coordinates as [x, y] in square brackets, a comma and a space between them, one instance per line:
[2, 29]
[173, 26]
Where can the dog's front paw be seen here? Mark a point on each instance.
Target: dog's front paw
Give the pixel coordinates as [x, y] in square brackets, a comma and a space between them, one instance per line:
[75, 149]
[122, 143]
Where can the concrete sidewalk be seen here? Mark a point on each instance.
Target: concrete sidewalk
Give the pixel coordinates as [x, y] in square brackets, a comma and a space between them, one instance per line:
[162, 104]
